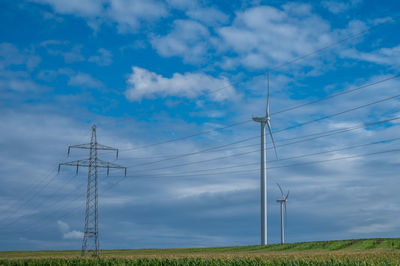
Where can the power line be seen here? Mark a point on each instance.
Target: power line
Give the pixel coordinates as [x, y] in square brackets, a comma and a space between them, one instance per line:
[28, 199]
[254, 151]
[15, 220]
[295, 126]
[353, 36]
[302, 139]
[271, 167]
[340, 113]
[189, 136]
[296, 157]
[336, 95]
[299, 58]
[274, 113]
[58, 206]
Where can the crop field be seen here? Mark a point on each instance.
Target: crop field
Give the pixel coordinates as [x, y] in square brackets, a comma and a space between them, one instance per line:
[341, 252]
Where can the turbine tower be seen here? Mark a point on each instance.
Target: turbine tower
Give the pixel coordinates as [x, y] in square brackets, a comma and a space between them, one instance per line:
[283, 201]
[264, 121]
[90, 242]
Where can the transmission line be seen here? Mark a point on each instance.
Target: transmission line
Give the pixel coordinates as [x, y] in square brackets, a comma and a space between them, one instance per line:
[299, 58]
[253, 170]
[271, 167]
[304, 123]
[273, 113]
[295, 157]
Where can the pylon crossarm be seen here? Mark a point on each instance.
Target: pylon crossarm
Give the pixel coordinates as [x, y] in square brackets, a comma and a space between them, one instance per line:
[88, 163]
[98, 146]
[79, 146]
[84, 162]
[104, 164]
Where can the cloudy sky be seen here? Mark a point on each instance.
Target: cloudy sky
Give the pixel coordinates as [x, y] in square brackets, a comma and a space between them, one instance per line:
[173, 84]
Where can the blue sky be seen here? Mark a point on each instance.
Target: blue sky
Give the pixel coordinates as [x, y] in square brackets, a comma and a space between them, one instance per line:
[147, 71]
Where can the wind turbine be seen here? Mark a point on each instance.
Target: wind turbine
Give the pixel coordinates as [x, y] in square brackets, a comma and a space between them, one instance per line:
[264, 121]
[282, 201]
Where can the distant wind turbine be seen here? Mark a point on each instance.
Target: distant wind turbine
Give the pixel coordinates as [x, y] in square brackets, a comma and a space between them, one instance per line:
[264, 121]
[283, 201]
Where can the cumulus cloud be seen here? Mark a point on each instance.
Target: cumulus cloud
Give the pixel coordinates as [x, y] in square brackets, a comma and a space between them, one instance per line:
[188, 39]
[129, 14]
[145, 84]
[104, 57]
[264, 35]
[67, 233]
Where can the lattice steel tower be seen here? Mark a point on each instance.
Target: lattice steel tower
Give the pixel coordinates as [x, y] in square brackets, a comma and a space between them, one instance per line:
[90, 242]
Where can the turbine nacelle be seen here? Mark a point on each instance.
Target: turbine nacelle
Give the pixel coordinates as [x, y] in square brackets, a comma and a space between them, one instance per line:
[264, 119]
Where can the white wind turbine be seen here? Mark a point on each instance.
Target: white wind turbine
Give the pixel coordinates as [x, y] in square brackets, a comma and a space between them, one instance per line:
[264, 121]
[283, 201]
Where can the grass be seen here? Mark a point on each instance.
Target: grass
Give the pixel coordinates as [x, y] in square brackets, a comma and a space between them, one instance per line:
[340, 252]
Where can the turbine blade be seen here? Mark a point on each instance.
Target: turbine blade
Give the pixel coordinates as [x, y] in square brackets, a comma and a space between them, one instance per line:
[280, 190]
[287, 195]
[272, 138]
[267, 110]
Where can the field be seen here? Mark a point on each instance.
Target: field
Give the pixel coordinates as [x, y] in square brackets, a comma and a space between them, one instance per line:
[341, 252]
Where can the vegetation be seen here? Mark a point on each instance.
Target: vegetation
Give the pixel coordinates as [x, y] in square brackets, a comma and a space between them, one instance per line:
[341, 252]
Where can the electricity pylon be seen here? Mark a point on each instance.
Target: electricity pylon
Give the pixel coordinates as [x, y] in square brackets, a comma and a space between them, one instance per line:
[90, 242]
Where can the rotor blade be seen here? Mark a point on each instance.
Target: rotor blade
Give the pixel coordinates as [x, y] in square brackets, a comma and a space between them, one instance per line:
[287, 195]
[280, 190]
[272, 138]
[267, 110]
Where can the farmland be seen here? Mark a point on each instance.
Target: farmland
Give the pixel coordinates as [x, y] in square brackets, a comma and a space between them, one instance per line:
[341, 252]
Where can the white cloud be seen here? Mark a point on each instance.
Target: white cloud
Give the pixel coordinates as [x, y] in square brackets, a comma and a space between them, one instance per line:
[188, 39]
[263, 36]
[73, 235]
[103, 59]
[19, 84]
[337, 7]
[63, 226]
[383, 56]
[84, 80]
[129, 14]
[373, 228]
[11, 55]
[146, 84]
[77, 7]
[209, 16]
[71, 56]
[183, 4]
[67, 234]
[204, 189]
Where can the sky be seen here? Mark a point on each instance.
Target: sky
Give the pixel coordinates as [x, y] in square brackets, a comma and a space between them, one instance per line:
[174, 84]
